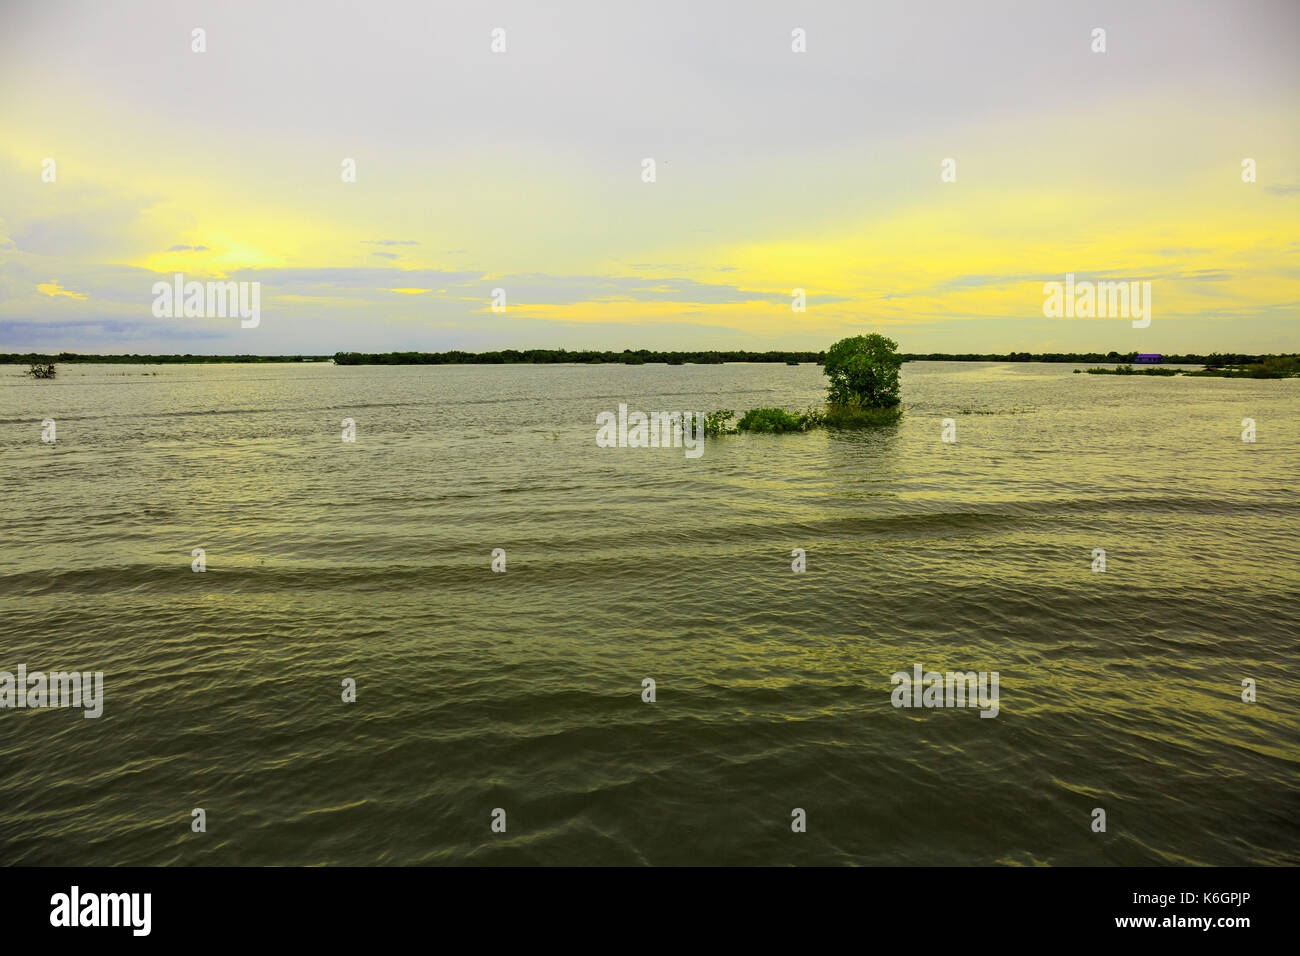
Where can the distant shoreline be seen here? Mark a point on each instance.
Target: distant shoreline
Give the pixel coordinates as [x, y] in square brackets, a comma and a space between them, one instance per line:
[626, 357]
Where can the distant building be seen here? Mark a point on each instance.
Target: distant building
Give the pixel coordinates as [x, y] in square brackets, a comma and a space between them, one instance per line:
[1146, 358]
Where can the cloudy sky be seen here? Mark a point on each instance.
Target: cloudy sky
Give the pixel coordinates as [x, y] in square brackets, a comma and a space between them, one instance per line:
[522, 170]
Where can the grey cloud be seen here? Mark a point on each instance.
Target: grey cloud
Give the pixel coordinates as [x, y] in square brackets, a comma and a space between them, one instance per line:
[530, 288]
[564, 290]
[1080, 275]
[128, 286]
[79, 334]
[326, 280]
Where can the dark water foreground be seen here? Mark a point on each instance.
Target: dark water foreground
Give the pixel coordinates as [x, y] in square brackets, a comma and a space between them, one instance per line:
[522, 690]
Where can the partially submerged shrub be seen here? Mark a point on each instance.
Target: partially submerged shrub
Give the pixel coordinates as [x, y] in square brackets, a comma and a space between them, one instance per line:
[863, 371]
[773, 421]
[1275, 366]
[855, 416]
[41, 370]
[719, 423]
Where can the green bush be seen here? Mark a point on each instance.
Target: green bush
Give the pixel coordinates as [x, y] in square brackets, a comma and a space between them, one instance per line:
[853, 416]
[1275, 366]
[863, 371]
[775, 421]
[771, 421]
[719, 423]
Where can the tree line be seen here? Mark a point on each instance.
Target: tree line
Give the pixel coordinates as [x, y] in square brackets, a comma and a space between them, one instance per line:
[625, 357]
[641, 356]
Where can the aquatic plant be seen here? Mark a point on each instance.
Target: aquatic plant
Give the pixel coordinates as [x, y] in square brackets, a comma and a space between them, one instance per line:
[855, 416]
[719, 423]
[777, 420]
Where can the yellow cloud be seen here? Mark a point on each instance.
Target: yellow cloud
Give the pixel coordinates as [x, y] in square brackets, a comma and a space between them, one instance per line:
[52, 288]
[877, 240]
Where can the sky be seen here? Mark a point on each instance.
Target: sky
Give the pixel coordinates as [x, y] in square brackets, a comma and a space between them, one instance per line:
[523, 170]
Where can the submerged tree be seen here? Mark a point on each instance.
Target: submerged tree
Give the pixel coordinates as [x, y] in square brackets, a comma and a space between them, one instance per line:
[863, 393]
[863, 371]
[41, 370]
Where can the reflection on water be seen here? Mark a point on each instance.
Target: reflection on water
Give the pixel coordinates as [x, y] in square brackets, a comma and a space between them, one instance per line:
[475, 690]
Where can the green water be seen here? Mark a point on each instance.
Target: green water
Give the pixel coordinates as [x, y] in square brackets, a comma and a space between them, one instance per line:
[522, 690]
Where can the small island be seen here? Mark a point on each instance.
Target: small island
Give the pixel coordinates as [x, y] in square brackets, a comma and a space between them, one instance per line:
[1265, 366]
[863, 391]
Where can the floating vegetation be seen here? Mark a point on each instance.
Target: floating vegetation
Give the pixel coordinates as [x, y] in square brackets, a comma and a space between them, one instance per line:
[41, 370]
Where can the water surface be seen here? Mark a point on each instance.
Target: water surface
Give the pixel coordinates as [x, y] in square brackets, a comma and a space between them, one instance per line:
[522, 690]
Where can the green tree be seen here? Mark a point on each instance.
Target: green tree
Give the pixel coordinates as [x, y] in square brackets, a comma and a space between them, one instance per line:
[863, 371]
